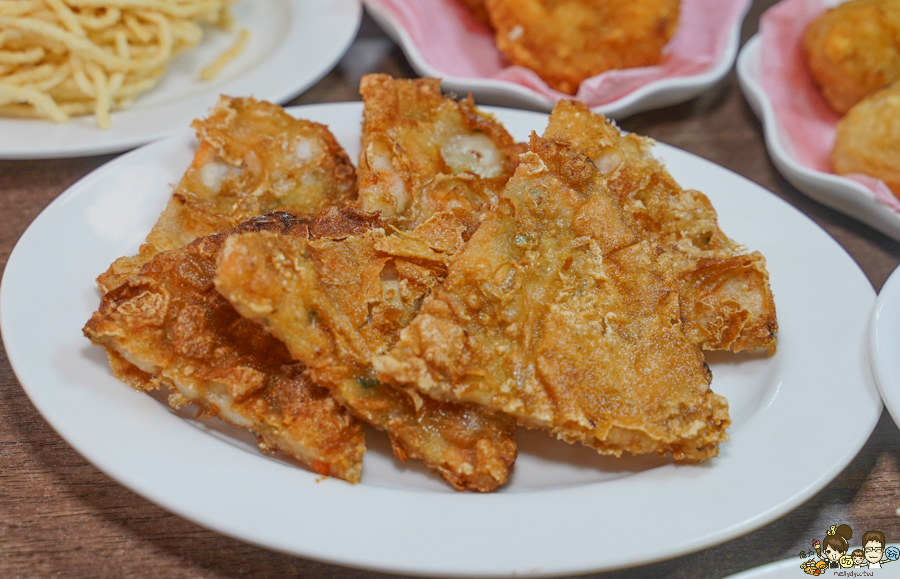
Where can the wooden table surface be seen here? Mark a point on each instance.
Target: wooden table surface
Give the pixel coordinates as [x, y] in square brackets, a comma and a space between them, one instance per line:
[60, 516]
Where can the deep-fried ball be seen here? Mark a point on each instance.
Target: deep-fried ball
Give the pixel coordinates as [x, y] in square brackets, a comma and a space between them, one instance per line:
[868, 139]
[853, 50]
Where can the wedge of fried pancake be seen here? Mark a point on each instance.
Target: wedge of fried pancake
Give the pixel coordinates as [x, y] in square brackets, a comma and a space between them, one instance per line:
[423, 153]
[726, 299]
[338, 300]
[167, 325]
[253, 158]
[558, 313]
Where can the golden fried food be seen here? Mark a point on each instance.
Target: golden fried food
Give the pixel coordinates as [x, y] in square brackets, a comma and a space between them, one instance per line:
[568, 41]
[338, 300]
[726, 299]
[853, 50]
[74, 57]
[557, 313]
[868, 139]
[423, 153]
[168, 326]
[253, 158]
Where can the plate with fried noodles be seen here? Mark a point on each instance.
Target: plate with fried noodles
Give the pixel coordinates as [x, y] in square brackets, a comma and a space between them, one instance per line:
[566, 509]
[270, 49]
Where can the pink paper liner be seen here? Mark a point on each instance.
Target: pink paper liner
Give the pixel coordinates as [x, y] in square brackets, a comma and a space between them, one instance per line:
[808, 123]
[455, 44]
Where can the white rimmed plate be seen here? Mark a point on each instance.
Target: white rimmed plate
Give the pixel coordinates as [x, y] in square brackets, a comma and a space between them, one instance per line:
[787, 569]
[832, 190]
[566, 510]
[886, 344]
[790, 569]
[653, 95]
[292, 45]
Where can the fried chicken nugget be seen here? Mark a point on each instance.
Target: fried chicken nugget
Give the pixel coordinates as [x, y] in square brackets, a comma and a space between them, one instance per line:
[868, 139]
[253, 158]
[726, 299]
[568, 41]
[337, 301]
[423, 153]
[168, 326]
[853, 50]
[557, 313]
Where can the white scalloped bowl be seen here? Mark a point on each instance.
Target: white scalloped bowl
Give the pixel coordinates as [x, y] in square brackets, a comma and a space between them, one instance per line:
[837, 192]
[489, 91]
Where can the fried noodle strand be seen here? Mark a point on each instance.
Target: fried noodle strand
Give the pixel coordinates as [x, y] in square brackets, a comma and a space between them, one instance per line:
[72, 57]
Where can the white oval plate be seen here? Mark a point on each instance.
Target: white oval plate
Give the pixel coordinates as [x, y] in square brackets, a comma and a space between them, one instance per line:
[292, 45]
[790, 569]
[654, 95]
[837, 192]
[566, 509]
[886, 344]
[787, 569]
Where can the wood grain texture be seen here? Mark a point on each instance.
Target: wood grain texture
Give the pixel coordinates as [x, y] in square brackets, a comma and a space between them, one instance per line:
[60, 516]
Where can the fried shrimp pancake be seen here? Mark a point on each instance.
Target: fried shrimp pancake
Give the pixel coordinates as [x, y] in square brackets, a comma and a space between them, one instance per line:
[557, 313]
[853, 50]
[337, 301]
[253, 158]
[167, 325]
[423, 153]
[868, 139]
[726, 299]
[568, 41]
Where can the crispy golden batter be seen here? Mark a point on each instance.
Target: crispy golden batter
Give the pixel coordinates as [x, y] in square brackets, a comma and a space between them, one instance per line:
[168, 325]
[557, 313]
[868, 139]
[337, 301]
[253, 158]
[726, 299]
[423, 153]
[853, 50]
[567, 41]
